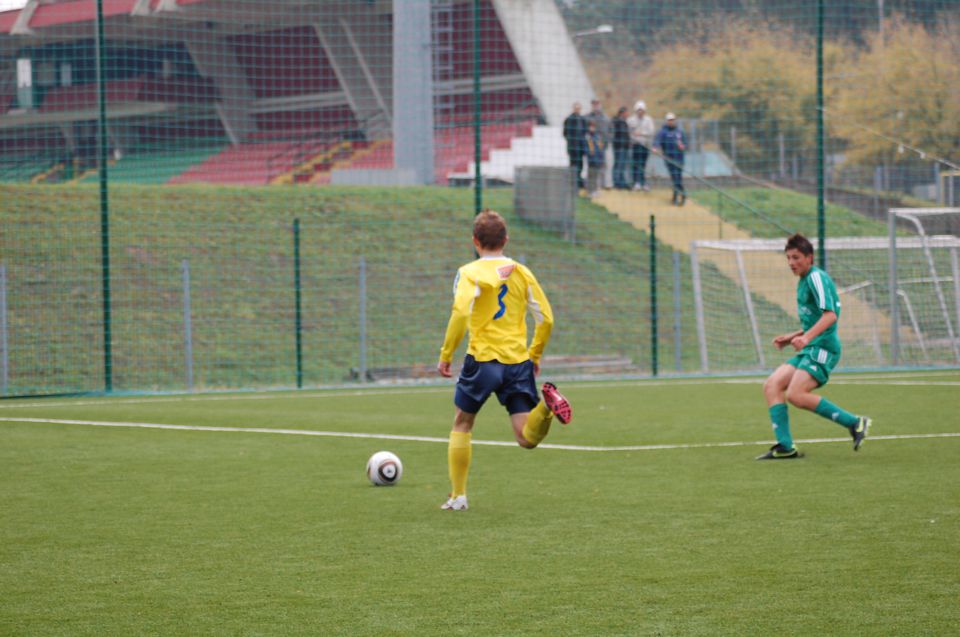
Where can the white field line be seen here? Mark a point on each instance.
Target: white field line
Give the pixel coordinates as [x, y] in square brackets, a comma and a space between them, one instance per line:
[909, 383]
[880, 380]
[861, 381]
[186, 398]
[444, 440]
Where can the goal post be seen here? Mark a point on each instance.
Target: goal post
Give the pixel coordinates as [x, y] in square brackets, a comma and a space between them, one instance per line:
[937, 270]
[900, 300]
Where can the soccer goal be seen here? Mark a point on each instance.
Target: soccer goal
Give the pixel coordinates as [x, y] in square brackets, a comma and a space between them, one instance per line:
[744, 295]
[924, 285]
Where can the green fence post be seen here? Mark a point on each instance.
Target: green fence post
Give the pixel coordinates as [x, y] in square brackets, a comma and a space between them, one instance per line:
[362, 293]
[4, 338]
[477, 104]
[653, 295]
[821, 175]
[298, 318]
[104, 206]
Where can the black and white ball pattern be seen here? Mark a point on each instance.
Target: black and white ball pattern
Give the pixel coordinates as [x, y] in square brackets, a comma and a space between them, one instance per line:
[384, 469]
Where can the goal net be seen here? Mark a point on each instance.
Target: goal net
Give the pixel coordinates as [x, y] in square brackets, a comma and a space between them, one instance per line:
[924, 285]
[916, 324]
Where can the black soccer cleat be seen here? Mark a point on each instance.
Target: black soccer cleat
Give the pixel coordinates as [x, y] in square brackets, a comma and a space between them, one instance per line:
[859, 431]
[779, 452]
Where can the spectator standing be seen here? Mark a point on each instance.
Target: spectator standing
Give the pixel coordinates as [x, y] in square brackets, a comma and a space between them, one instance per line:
[596, 159]
[642, 129]
[602, 123]
[575, 131]
[600, 120]
[621, 149]
[671, 143]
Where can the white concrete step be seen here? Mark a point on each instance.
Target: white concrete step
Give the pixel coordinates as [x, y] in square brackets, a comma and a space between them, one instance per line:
[546, 147]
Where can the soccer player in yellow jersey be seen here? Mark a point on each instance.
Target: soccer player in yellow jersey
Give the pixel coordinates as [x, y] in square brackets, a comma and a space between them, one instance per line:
[491, 298]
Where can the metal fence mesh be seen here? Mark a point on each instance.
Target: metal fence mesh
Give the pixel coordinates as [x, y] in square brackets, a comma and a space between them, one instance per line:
[156, 156]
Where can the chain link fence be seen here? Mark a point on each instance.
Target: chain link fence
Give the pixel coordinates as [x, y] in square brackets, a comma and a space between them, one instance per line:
[200, 195]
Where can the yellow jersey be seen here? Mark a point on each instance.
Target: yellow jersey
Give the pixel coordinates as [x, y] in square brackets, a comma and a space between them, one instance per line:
[491, 297]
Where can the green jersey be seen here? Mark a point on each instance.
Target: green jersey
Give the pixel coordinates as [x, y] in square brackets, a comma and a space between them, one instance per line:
[817, 294]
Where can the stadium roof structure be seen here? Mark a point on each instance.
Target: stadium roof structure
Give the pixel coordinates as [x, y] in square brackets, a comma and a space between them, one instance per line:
[253, 63]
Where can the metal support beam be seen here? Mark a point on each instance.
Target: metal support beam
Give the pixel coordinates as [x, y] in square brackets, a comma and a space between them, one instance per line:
[22, 25]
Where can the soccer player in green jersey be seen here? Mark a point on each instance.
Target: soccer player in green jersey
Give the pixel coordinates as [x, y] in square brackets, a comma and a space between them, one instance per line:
[818, 351]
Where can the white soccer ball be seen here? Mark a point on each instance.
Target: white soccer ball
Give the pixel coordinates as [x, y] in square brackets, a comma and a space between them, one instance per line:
[384, 469]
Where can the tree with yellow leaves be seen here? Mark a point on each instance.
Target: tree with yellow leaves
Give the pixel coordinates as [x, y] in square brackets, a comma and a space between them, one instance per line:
[903, 88]
[757, 78]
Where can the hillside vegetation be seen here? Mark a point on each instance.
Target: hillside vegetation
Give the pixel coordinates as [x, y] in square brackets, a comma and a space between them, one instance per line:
[239, 245]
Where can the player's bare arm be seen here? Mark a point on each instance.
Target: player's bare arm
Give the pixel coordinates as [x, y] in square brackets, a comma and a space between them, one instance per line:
[784, 339]
[803, 339]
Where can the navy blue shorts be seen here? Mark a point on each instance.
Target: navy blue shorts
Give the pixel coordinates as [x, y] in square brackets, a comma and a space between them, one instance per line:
[513, 384]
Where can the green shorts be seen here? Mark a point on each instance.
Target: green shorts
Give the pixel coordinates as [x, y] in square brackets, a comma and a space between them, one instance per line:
[817, 362]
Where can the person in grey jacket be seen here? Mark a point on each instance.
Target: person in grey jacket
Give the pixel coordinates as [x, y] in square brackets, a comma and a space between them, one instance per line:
[604, 131]
[600, 120]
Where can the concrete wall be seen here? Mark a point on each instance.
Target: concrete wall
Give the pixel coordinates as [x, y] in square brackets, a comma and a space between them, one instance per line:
[413, 89]
[546, 54]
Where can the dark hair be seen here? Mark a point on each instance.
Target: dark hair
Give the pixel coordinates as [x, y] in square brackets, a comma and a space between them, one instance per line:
[801, 243]
[490, 230]
[622, 110]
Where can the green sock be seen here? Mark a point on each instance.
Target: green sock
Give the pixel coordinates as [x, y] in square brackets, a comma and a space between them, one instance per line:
[780, 420]
[830, 411]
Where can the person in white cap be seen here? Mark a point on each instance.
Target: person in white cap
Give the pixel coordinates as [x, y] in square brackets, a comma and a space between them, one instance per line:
[671, 144]
[641, 137]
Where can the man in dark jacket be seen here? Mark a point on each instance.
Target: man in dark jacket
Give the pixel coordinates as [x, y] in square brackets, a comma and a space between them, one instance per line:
[621, 149]
[671, 144]
[575, 132]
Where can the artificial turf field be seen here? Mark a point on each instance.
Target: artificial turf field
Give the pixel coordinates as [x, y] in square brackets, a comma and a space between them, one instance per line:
[143, 531]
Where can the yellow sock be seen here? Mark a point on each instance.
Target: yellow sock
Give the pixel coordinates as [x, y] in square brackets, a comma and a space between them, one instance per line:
[538, 424]
[459, 454]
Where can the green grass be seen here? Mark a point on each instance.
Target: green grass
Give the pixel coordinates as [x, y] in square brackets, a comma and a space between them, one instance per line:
[905, 200]
[120, 531]
[239, 245]
[793, 210]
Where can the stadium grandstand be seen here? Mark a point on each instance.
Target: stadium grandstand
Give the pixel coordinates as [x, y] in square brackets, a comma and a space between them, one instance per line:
[264, 92]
